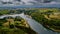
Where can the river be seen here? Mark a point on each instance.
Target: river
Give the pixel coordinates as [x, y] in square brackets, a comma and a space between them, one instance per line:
[33, 24]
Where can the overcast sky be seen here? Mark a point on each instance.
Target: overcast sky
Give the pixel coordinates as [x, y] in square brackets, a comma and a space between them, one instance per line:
[28, 2]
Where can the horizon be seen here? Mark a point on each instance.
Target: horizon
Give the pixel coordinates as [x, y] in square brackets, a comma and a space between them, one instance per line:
[31, 6]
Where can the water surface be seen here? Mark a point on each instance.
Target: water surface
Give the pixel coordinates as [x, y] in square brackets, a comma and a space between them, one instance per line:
[33, 24]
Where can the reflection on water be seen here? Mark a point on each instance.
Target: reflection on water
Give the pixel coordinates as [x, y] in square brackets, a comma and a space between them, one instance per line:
[33, 24]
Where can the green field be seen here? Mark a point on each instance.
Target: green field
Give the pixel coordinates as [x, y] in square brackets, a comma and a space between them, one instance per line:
[48, 17]
[17, 25]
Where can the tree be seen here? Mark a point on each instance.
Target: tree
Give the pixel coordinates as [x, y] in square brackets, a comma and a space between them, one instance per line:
[18, 18]
[48, 13]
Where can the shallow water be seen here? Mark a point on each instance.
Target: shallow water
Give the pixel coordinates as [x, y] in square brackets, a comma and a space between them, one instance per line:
[33, 24]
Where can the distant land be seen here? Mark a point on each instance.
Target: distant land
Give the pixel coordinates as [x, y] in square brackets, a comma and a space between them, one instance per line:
[30, 6]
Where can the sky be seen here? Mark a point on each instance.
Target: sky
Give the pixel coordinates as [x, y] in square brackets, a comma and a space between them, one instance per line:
[28, 2]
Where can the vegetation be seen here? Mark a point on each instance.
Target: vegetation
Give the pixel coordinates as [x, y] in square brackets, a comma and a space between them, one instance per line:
[6, 11]
[17, 25]
[48, 17]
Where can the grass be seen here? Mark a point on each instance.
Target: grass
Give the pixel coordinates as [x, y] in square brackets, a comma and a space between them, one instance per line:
[15, 26]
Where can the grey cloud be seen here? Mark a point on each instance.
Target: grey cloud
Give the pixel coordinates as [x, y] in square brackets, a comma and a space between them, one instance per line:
[28, 2]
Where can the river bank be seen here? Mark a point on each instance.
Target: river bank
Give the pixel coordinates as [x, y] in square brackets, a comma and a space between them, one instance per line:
[33, 24]
[15, 24]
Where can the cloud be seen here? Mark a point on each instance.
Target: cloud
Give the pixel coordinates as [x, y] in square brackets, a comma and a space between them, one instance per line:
[27, 2]
[7, 0]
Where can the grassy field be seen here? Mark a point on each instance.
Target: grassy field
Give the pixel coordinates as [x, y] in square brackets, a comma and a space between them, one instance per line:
[17, 25]
[48, 17]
